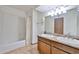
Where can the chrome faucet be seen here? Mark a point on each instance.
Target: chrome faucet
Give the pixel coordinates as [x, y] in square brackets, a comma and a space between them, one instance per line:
[68, 35]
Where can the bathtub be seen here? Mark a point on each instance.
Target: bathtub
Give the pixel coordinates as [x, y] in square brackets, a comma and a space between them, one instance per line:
[11, 46]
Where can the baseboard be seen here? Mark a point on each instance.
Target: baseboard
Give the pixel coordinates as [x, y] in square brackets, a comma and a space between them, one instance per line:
[8, 47]
[33, 43]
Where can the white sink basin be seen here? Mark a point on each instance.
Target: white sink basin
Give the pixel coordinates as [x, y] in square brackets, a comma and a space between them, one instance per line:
[68, 40]
[60, 38]
[47, 35]
[64, 40]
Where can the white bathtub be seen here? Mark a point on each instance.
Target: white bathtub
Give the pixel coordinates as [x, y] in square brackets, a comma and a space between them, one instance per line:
[11, 46]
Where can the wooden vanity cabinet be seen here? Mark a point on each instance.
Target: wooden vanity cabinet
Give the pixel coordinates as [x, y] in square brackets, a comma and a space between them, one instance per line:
[43, 46]
[48, 46]
[55, 49]
[45, 40]
[66, 48]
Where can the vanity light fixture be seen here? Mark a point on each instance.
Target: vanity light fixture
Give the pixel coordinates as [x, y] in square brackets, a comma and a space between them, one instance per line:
[63, 9]
[57, 11]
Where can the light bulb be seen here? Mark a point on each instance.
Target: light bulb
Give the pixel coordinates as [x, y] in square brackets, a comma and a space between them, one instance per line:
[59, 12]
[52, 14]
[49, 13]
[64, 11]
[55, 13]
[62, 8]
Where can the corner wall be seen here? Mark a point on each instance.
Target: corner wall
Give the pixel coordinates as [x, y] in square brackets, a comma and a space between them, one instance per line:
[34, 27]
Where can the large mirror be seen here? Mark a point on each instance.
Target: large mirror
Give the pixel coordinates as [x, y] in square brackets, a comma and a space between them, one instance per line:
[65, 23]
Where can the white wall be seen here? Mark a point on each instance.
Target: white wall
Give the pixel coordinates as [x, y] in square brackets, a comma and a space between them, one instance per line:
[21, 28]
[1, 26]
[9, 20]
[40, 23]
[77, 22]
[49, 24]
[37, 25]
[29, 30]
[34, 27]
[70, 22]
[12, 11]
[10, 27]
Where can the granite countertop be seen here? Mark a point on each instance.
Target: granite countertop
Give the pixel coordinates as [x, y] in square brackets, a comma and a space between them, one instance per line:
[64, 40]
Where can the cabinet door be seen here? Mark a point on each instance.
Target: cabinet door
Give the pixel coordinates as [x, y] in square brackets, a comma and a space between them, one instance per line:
[66, 48]
[47, 41]
[57, 51]
[43, 47]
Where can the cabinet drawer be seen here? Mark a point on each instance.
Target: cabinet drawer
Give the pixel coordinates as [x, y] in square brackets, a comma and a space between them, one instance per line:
[47, 41]
[57, 51]
[43, 47]
[66, 48]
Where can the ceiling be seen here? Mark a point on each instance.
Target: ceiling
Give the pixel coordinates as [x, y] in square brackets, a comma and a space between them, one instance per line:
[40, 8]
[46, 8]
[25, 8]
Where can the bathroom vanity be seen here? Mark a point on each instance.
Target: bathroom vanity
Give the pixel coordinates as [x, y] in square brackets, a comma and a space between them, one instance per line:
[49, 44]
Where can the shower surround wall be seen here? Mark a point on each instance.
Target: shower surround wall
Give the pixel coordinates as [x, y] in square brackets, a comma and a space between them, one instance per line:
[12, 27]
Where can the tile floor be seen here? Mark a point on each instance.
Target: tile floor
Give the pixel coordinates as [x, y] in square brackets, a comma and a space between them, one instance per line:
[31, 49]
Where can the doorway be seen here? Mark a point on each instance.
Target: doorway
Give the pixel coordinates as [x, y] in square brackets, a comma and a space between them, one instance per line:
[58, 25]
